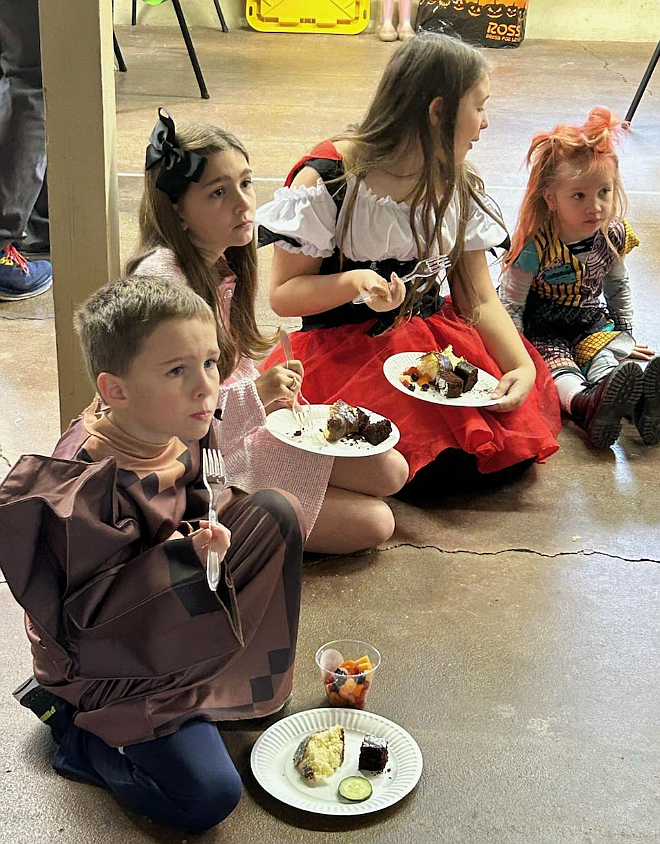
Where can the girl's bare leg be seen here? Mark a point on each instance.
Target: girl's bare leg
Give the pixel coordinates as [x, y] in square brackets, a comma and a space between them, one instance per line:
[348, 522]
[404, 29]
[380, 475]
[387, 32]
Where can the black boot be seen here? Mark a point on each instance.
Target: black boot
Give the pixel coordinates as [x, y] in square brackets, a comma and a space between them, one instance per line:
[599, 408]
[646, 415]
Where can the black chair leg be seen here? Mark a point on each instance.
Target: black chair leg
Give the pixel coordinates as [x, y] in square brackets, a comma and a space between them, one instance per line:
[191, 50]
[121, 64]
[134, 13]
[642, 85]
[221, 17]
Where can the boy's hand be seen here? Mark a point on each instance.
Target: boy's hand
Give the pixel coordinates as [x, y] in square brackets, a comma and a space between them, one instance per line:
[280, 383]
[515, 386]
[642, 352]
[217, 538]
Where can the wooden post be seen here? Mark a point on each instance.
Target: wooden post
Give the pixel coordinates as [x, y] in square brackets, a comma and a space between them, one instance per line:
[79, 89]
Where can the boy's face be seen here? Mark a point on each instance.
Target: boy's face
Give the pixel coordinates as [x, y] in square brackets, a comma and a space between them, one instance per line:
[171, 388]
[218, 212]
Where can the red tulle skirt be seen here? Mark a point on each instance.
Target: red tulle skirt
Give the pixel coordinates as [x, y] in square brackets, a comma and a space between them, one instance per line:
[346, 363]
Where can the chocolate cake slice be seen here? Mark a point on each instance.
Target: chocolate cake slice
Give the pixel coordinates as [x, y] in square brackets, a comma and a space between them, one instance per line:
[468, 373]
[373, 754]
[377, 432]
[450, 383]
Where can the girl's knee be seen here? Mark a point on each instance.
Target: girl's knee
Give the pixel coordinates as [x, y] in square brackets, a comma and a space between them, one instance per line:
[395, 472]
[380, 525]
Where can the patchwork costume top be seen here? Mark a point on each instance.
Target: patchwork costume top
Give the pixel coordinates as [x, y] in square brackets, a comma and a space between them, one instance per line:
[120, 617]
[343, 349]
[554, 293]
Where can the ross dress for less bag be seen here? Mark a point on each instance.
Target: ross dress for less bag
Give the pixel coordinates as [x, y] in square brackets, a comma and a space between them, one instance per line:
[478, 22]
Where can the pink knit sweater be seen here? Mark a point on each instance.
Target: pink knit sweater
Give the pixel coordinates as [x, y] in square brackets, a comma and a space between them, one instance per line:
[254, 459]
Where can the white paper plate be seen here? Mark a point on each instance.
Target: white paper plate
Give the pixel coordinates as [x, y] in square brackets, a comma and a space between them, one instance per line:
[272, 762]
[479, 395]
[283, 425]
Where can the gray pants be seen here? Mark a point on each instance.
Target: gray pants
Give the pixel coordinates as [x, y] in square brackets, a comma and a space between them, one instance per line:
[23, 196]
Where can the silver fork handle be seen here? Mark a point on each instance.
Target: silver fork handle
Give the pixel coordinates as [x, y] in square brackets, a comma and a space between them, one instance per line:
[212, 561]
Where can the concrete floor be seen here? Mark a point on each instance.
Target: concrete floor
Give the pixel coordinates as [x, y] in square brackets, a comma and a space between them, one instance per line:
[519, 627]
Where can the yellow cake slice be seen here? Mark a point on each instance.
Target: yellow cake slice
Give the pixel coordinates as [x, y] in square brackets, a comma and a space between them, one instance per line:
[319, 755]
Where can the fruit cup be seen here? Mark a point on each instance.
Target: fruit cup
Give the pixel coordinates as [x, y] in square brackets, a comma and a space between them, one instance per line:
[347, 667]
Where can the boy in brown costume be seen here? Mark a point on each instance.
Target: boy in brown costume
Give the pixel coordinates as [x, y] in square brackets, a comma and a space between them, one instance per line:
[134, 657]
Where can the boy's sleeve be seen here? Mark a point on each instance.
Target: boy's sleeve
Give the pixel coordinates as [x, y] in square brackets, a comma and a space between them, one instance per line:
[75, 561]
[516, 281]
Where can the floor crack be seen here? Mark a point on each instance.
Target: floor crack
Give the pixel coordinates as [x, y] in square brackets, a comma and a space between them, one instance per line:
[25, 318]
[606, 66]
[578, 552]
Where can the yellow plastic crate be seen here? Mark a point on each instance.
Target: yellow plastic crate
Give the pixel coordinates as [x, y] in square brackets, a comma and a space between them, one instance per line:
[340, 17]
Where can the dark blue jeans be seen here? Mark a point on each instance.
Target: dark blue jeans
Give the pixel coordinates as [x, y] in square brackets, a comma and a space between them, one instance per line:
[23, 200]
[186, 780]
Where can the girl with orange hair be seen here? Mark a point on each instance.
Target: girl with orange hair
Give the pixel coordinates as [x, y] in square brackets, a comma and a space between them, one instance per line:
[566, 255]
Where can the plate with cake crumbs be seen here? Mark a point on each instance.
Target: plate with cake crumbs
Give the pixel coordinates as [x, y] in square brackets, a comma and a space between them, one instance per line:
[338, 430]
[441, 377]
[337, 761]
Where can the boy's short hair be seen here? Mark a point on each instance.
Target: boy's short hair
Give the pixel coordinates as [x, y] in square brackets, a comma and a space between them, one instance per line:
[113, 323]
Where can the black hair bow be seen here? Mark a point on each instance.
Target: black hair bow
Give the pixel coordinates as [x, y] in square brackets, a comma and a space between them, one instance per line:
[178, 167]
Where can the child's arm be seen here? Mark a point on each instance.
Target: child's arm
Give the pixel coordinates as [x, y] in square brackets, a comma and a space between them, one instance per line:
[296, 290]
[514, 288]
[499, 335]
[616, 289]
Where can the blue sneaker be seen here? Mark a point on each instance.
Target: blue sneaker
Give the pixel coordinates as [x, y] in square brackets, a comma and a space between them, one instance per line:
[20, 280]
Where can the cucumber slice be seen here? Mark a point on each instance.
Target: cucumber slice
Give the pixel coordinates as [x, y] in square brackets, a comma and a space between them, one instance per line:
[355, 789]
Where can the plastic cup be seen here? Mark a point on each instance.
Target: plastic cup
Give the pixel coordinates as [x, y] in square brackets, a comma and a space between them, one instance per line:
[348, 686]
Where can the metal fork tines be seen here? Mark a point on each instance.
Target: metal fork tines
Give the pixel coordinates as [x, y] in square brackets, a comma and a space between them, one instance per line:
[215, 481]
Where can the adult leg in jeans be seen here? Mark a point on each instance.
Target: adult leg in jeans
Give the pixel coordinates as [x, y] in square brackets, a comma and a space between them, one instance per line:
[22, 138]
[186, 780]
[37, 240]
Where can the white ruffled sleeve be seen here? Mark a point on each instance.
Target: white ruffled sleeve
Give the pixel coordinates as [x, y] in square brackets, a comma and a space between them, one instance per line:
[305, 214]
[482, 231]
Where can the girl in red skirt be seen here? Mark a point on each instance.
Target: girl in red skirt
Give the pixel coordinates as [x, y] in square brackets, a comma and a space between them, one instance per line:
[359, 212]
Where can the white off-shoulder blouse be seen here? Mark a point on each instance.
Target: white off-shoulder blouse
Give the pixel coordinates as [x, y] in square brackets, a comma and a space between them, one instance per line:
[380, 226]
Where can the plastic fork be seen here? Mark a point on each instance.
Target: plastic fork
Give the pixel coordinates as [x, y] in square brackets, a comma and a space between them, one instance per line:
[426, 268]
[300, 407]
[215, 481]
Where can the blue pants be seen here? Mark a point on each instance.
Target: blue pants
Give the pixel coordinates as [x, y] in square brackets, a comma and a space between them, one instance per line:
[186, 780]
